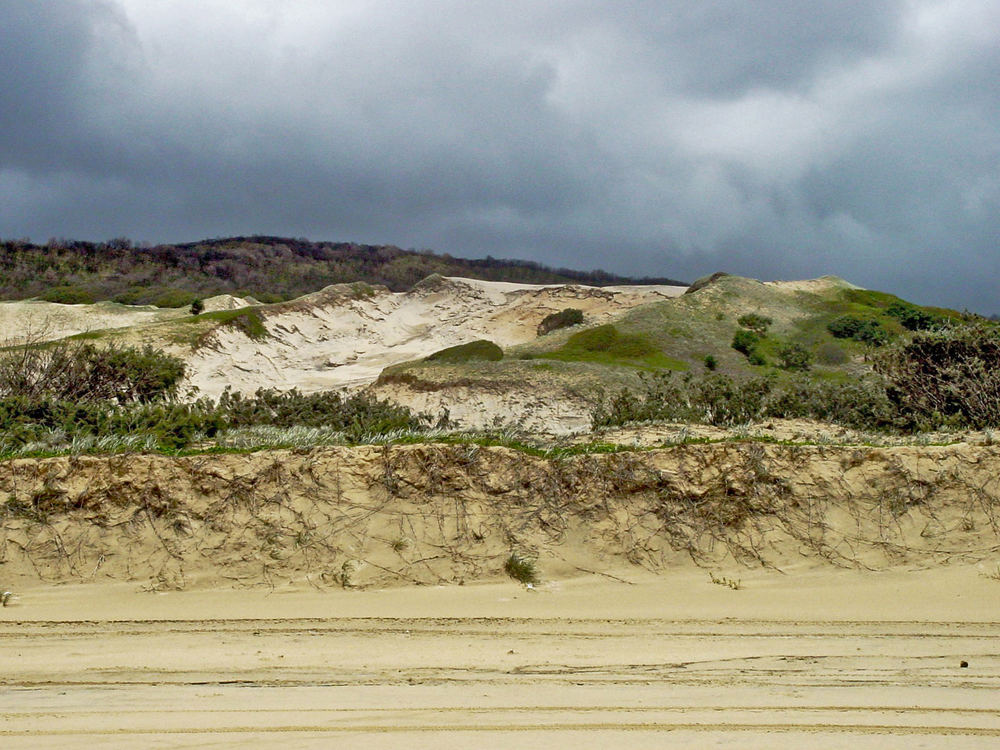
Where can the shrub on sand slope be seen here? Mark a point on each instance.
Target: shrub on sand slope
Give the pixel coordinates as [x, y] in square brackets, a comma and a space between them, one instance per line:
[481, 350]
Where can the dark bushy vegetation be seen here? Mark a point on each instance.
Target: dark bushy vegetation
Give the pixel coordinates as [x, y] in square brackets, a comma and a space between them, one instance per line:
[912, 317]
[942, 377]
[69, 295]
[721, 400]
[475, 351]
[356, 415]
[84, 373]
[745, 341]
[562, 319]
[794, 357]
[754, 322]
[270, 269]
[948, 375]
[172, 426]
[860, 329]
[81, 390]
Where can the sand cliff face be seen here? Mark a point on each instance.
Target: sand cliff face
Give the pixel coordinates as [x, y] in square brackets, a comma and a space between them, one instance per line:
[375, 515]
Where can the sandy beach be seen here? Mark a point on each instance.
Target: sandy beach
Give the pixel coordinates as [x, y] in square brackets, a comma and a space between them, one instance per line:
[812, 657]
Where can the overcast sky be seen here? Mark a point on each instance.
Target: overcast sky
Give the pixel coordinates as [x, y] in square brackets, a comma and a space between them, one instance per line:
[769, 138]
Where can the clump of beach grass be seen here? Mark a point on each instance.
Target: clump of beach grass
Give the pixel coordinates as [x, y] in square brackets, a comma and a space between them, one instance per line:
[521, 568]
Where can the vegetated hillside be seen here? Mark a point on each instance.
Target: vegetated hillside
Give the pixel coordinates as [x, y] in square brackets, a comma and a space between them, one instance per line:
[270, 269]
[732, 333]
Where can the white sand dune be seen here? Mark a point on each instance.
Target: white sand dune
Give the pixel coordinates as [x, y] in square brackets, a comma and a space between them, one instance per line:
[336, 339]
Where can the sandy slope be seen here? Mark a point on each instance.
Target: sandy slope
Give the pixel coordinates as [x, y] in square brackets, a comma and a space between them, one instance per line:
[336, 339]
[819, 659]
[34, 320]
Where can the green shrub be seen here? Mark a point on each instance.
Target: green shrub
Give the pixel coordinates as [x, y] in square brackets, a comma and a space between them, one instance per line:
[711, 363]
[745, 341]
[606, 343]
[757, 359]
[861, 404]
[794, 357]
[173, 426]
[754, 322]
[69, 295]
[132, 296]
[197, 307]
[912, 317]
[563, 319]
[608, 339]
[81, 371]
[721, 400]
[660, 398]
[474, 351]
[860, 329]
[173, 298]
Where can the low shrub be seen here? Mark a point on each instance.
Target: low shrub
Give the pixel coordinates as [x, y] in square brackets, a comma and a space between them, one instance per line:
[562, 319]
[860, 329]
[250, 322]
[720, 400]
[794, 357]
[69, 295]
[754, 322]
[830, 354]
[912, 317]
[945, 376]
[172, 298]
[745, 341]
[610, 340]
[81, 371]
[474, 351]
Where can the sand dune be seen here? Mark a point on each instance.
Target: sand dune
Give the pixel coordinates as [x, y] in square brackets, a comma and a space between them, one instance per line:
[340, 339]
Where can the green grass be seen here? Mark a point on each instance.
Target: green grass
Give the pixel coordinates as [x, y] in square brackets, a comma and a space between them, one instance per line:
[88, 335]
[246, 319]
[607, 345]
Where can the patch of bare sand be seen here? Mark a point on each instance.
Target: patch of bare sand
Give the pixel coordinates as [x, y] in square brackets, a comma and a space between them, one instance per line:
[336, 339]
[813, 658]
[37, 321]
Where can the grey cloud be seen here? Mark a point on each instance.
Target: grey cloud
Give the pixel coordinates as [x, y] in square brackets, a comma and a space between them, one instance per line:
[772, 138]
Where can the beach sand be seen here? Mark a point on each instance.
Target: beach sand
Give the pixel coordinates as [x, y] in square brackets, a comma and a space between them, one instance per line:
[812, 657]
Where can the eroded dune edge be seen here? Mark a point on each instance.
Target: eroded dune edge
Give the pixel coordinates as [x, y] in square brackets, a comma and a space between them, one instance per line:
[436, 513]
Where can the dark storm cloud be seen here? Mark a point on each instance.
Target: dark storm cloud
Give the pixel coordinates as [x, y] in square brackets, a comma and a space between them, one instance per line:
[777, 139]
